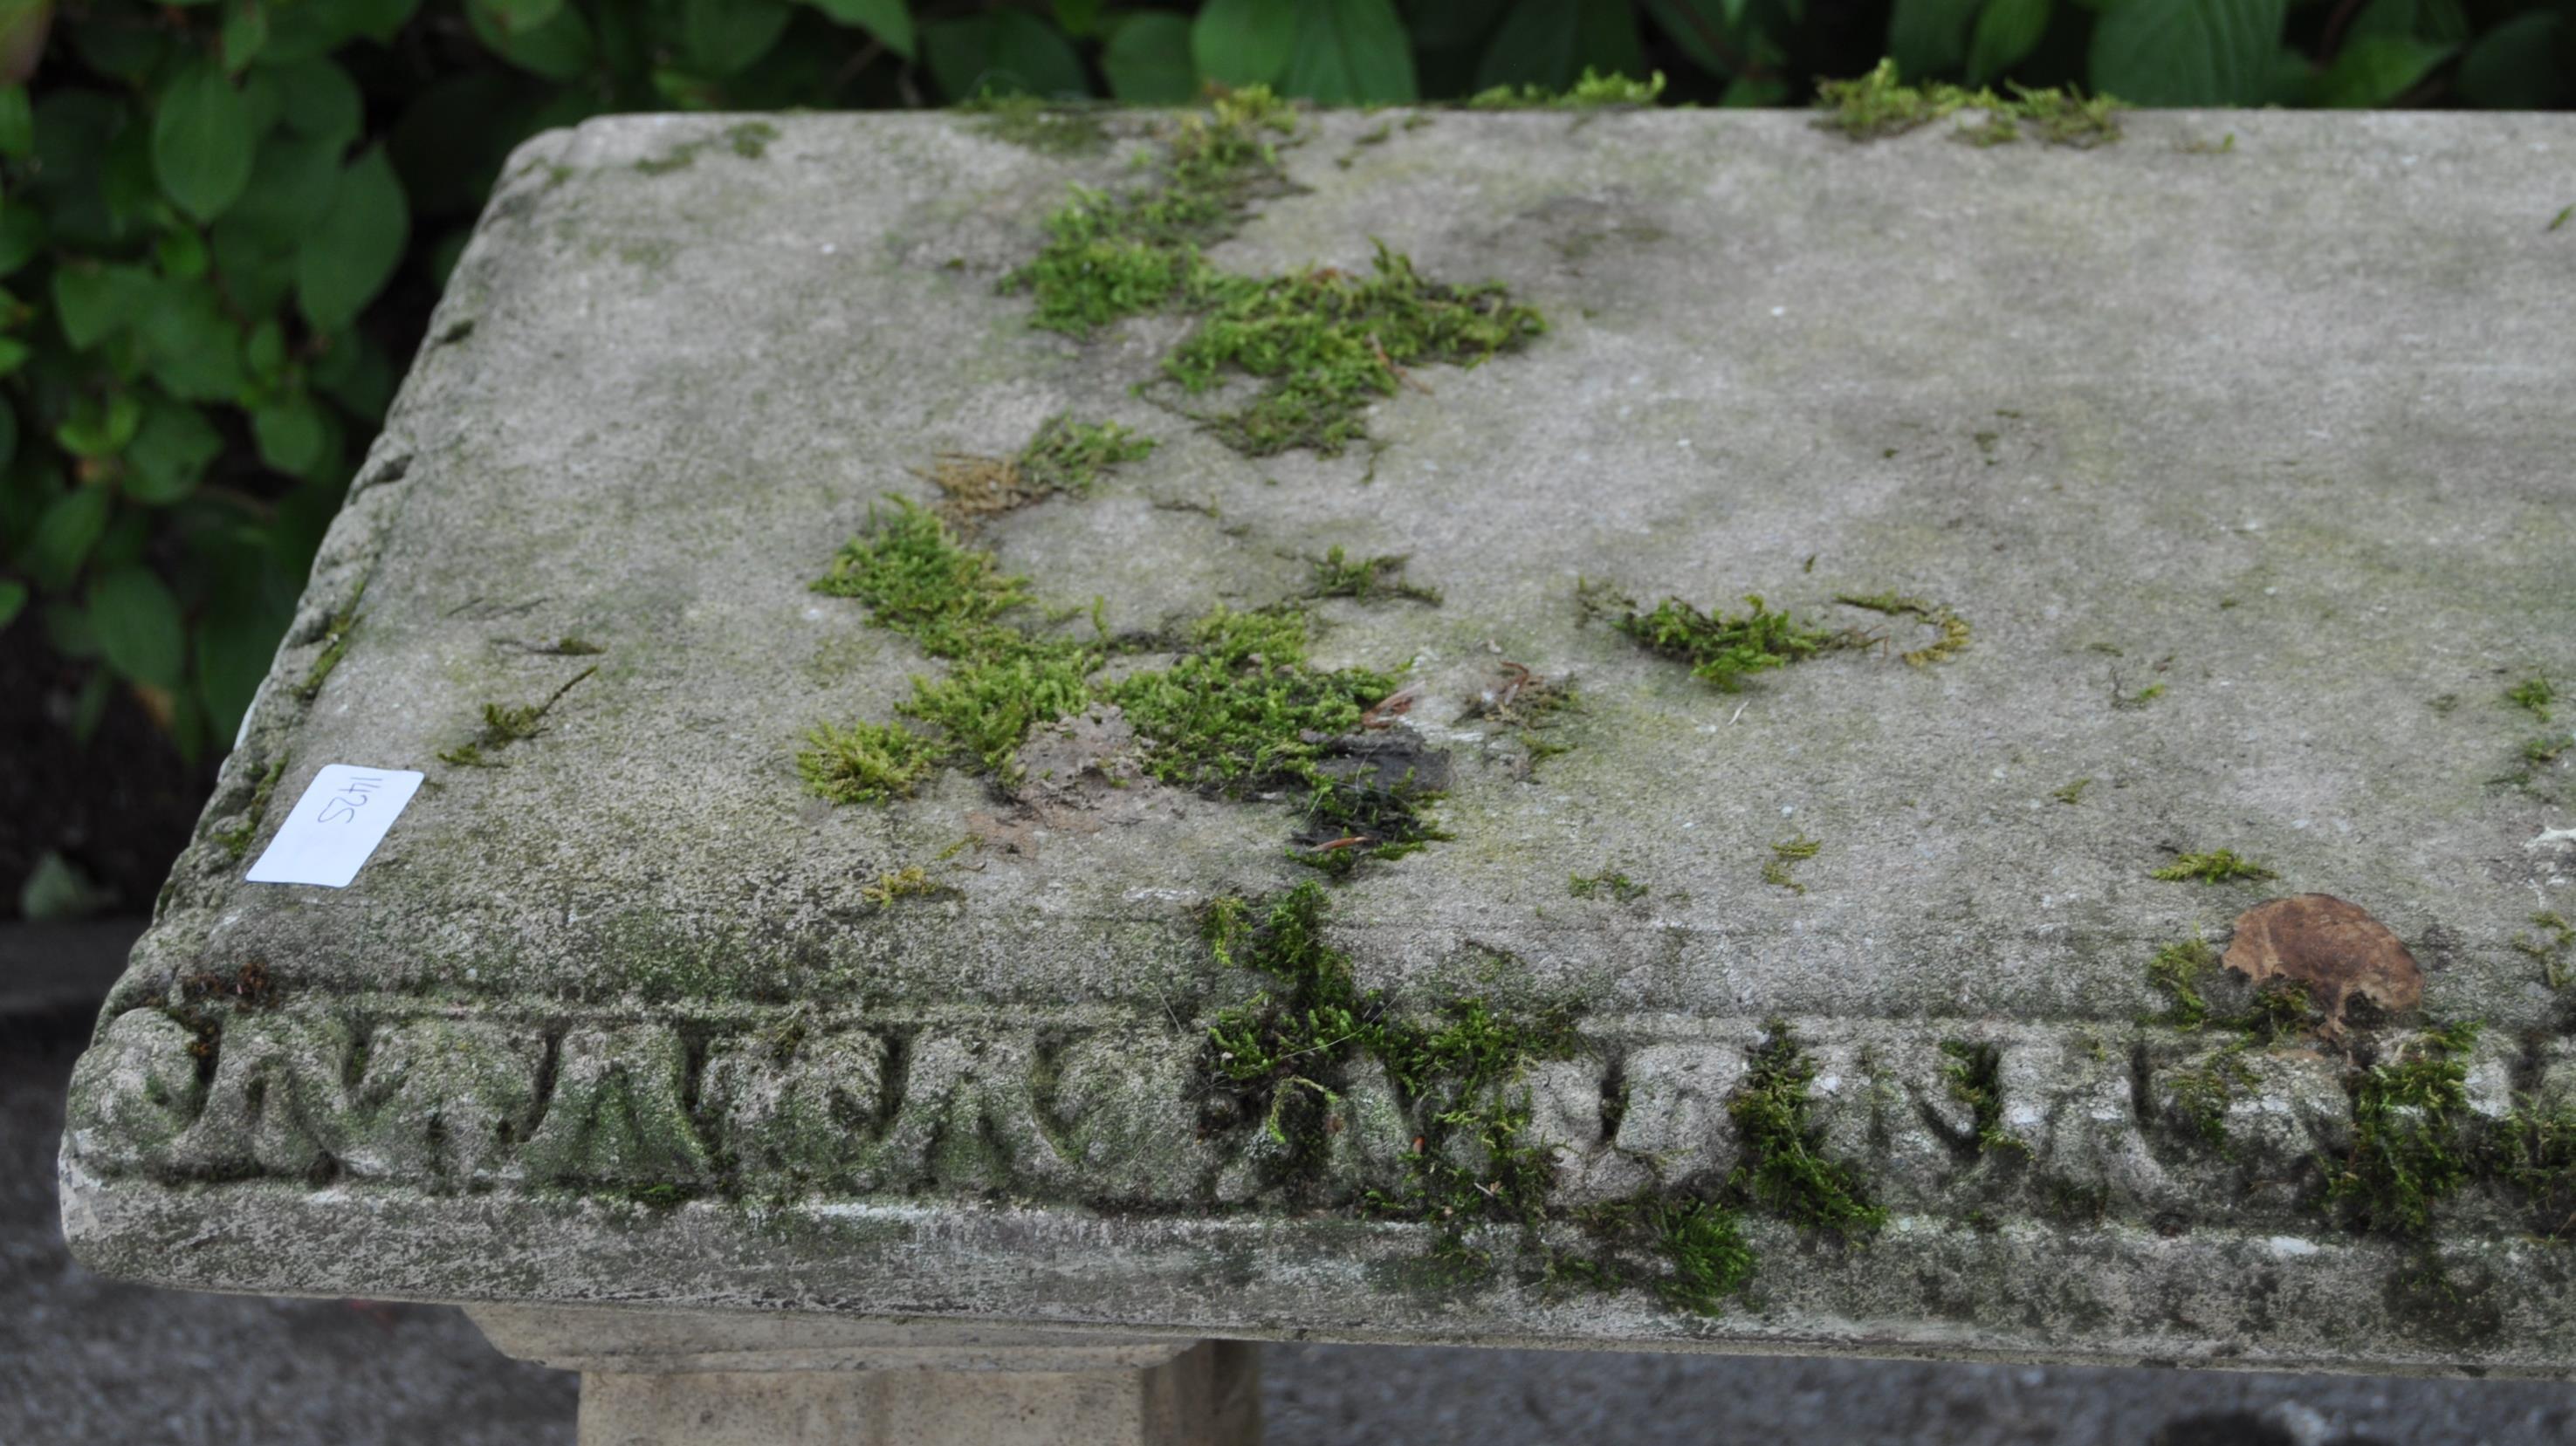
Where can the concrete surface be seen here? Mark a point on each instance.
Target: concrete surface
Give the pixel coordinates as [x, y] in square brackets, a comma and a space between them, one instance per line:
[2248, 470]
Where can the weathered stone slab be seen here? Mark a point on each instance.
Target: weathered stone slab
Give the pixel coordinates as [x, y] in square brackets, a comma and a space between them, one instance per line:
[2246, 472]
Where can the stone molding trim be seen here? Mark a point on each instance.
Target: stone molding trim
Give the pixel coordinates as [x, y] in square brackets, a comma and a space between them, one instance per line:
[2078, 1125]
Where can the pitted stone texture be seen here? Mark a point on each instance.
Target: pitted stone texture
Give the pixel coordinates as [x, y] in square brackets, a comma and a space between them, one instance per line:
[2136, 414]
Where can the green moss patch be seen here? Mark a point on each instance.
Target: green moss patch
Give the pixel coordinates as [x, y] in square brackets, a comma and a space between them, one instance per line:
[1785, 1170]
[235, 841]
[1366, 579]
[1064, 456]
[1242, 712]
[1039, 125]
[2410, 1145]
[1594, 91]
[2217, 866]
[1617, 887]
[1326, 342]
[1974, 1074]
[506, 724]
[1476, 1176]
[1879, 104]
[749, 140]
[865, 762]
[1322, 342]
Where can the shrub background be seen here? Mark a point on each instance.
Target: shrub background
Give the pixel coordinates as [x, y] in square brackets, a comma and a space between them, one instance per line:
[223, 222]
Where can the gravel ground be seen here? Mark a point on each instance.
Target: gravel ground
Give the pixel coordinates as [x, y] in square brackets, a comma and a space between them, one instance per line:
[85, 1360]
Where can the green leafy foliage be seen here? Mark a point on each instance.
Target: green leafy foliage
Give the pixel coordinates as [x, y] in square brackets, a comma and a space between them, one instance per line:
[224, 224]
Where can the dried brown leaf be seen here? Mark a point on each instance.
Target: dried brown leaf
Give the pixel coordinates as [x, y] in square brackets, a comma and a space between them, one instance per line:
[2333, 948]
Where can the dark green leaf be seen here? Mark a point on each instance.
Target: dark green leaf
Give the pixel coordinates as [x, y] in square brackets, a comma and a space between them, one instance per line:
[1002, 53]
[292, 183]
[111, 42]
[93, 301]
[202, 141]
[244, 33]
[13, 600]
[13, 355]
[2006, 31]
[1929, 37]
[8, 454]
[559, 48]
[169, 454]
[193, 344]
[356, 374]
[2515, 66]
[351, 255]
[2187, 52]
[1444, 24]
[1244, 42]
[138, 626]
[1079, 18]
[1350, 52]
[1550, 43]
[235, 644]
[99, 428]
[516, 17]
[22, 233]
[719, 38]
[318, 99]
[180, 254]
[17, 123]
[2376, 70]
[1148, 60]
[290, 433]
[887, 20]
[2382, 17]
[63, 537]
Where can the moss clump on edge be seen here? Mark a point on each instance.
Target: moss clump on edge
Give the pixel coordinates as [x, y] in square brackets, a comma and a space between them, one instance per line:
[2551, 950]
[1108, 257]
[235, 841]
[1594, 91]
[1050, 128]
[2178, 969]
[1277, 1064]
[1325, 341]
[1784, 1170]
[1974, 1074]
[2409, 1145]
[2218, 866]
[1880, 104]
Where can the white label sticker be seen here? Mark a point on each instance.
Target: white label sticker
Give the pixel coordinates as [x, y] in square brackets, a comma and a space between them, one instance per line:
[344, 813]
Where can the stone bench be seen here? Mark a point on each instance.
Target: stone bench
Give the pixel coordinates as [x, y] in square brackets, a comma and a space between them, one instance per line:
[923, 910]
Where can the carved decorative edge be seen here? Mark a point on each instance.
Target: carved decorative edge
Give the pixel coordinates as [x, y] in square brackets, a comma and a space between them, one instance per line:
[2066, 1125]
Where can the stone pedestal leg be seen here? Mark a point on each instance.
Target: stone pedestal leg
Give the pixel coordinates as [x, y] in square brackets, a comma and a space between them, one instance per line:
[655, 1378]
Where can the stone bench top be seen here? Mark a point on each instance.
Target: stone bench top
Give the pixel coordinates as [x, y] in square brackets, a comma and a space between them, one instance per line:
[2204, 491]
